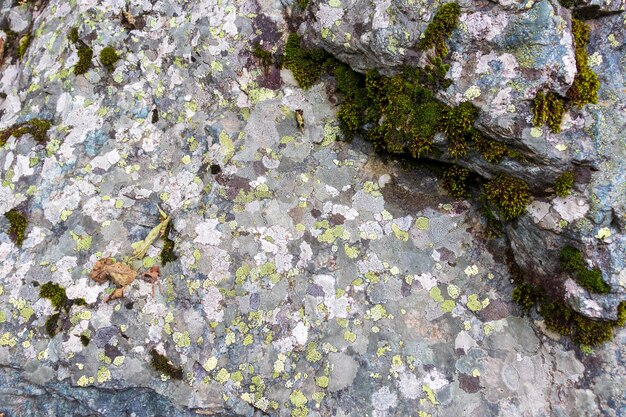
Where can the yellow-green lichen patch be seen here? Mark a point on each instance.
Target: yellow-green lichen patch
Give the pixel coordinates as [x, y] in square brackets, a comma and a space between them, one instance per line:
[399, 233]
[430, 394]
[422, 223]
[103, 375]
[474, 303]
[83, 242]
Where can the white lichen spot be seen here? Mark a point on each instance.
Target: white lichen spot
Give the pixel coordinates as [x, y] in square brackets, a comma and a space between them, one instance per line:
[604, 233]
[536, 132]
[471, 270]
[594, 60]
[472, 92]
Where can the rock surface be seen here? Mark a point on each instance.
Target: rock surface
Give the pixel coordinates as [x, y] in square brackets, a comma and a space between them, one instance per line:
[313, 278]
[501, 55]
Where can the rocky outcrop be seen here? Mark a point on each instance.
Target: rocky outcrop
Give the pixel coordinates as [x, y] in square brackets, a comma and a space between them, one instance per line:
[501, 55]
[306, 276]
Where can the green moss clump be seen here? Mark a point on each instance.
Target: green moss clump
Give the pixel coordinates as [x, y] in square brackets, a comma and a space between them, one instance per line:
[72, 35]
[264, 57]
[509, 195]
[548, 109]
[52, 324]
[23, 45]
[560, 318]
[302, 3]
[585, 87]
[108, 57]
[590, 279]
[563, 185]
[84, 339]
[493, 151]
[405, 115]
[568, 4]
[458, 122]
[85, 54]
[455, 181]
[526, 296]
[494, 225]
[163, 365]
[37, 128]
[55, 293]
[446, 19]
[352, 110]
[306, 65]
[79, 302]
[591, 332]
[17, 226]
[167, 252]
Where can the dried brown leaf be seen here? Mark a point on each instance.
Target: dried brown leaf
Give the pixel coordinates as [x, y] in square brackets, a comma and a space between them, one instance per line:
[99, 273]
[118, 293]
[152, 275]
[117, 272]
[1, 62]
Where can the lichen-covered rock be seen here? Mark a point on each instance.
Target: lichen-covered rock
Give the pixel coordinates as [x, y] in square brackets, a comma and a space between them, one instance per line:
[311, 277]
[502, 55]
[592, 218]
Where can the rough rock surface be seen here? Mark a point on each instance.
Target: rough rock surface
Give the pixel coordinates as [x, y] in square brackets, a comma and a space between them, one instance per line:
[312, 277]
[500, 56]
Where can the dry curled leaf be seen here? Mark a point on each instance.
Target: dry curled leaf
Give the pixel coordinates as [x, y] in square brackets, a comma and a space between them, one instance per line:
[128, 20]
[1, 62]
[99, 273]
[116, 272]
[152, 275]
[300, 119]
[118, 293]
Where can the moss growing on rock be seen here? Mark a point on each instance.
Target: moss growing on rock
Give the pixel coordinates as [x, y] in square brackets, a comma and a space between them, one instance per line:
[564, 183]
[493, 151]
[405, 115]
[167, 252]
[526, 296]
[590, 279]
[548, 109]
[585, 87]
[446, 19]
[509, 195]
[52, 324]
[85, 55]
[164, 366]
[306, 65]
[17, 226]
[37, 128]
[455, 181]
[560, 318]
[264, 57]
[23, 45]
[108, 57]
[458, 122]
[494, 225]
[84, 339]
[55, 293]
[72, 35]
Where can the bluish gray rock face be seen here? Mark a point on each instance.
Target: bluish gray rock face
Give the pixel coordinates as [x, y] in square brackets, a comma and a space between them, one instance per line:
[313, 278]
[501, 55]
